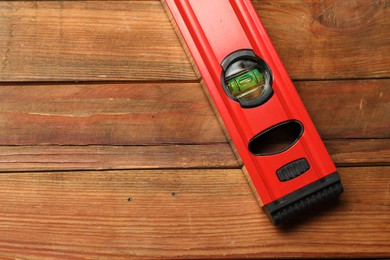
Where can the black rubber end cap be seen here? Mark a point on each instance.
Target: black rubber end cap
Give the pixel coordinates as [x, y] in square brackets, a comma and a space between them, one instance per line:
[287, 208]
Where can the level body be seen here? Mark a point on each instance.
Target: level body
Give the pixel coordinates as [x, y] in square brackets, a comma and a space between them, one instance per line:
[217, 33]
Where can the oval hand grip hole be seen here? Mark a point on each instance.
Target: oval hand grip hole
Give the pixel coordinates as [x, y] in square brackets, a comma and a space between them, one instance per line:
[276, 139]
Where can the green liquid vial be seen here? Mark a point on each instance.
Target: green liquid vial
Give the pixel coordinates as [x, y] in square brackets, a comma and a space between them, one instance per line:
[248, 85]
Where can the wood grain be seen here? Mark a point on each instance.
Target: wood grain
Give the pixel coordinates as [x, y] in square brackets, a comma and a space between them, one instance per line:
[119, 114]
[348, 109]
[345, 152]
[357, 152]
[166, 113]
[134, 40]
[56, 158]
[181, 214]
[109, 148]
[329, 39]
[87, 40]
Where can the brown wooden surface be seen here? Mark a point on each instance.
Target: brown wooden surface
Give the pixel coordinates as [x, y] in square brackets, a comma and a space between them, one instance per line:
[322, 39]
[98, 157]
[111, 40]
[107, 114]
[87, 40]
[180, 214]
[110, 149]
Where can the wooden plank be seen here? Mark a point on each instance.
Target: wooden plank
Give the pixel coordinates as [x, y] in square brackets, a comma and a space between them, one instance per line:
[133, 40]
[347, 152]
[166, 113]
[348, 108]
[354, 152]
[181, 214]
[119, 114]
[87, 40]
[329, 39]
[55, 158]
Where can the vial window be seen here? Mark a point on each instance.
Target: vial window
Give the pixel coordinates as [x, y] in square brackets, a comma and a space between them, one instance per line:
[246, 79]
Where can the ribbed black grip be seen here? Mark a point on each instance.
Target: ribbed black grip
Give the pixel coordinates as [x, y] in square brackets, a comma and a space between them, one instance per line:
[288, 207]
[293, 169]
[317, 198]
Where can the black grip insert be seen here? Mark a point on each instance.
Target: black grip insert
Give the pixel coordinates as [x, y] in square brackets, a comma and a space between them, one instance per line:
[293, 169]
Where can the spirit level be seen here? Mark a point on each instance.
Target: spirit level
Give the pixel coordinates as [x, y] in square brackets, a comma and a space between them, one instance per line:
[285, 158]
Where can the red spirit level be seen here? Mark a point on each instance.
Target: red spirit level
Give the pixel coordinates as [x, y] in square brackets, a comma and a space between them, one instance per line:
[287, 162]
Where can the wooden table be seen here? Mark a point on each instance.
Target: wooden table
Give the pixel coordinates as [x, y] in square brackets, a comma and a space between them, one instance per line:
[110, 149]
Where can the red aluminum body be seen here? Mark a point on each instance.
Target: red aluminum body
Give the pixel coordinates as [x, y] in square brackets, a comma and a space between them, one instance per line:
[213, 29]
